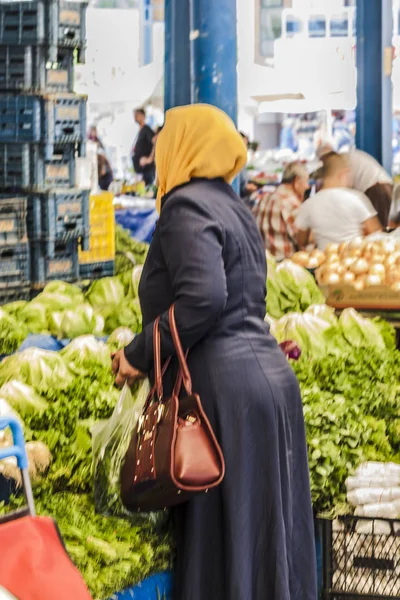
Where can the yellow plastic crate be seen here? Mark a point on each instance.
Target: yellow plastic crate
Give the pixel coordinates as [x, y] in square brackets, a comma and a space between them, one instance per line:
[102, 230]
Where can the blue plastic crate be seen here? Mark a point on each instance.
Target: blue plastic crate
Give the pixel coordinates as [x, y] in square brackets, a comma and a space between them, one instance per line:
[58, 216]
[157, 587]
[14, 266]
[52, 23]
[72, 26]
[25, 167]
[63, 264]
[14, 294]
[23, 23]
[52, 120]
[65, 121]
[25, 68]
[13, 213]
[20, 119]
[96, 270]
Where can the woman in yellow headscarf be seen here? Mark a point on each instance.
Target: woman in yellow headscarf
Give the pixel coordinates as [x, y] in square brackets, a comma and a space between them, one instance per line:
[252, 538]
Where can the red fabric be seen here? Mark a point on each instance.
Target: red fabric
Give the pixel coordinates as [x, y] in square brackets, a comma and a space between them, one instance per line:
[34, 564]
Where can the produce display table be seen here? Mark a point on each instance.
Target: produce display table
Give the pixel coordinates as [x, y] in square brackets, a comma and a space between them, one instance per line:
[138, 215]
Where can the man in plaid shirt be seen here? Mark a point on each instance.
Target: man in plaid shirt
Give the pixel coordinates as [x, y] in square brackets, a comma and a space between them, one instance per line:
[276, 213]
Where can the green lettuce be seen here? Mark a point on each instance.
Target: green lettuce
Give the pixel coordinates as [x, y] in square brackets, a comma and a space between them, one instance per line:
[22, 398]
[360, 332]
[12, 333]
[120, 337]
[42, 369]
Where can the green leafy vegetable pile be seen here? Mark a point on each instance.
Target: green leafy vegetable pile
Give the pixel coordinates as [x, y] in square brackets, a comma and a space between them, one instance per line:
[60, 397]
[129, 252]
[352, 413]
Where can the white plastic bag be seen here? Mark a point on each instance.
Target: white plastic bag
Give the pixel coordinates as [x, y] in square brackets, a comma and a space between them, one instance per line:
[391, 510]
[110, 442]
[373, 496]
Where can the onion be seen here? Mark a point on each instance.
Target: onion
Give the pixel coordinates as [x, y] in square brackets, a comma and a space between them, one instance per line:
[392, 275]
[340, 269]
[359, 283]
[377, 269]
[332, 249]
[343, 247]
[348, 261]
[348, 277]
[319, 255]
[392, 259]
[360, 266]
[388, 246]
[356, 252]
[301, 258]
[358, 242]
[395, 286]
[332, 279]
[372, 280]
[378, 258]
[313, 263]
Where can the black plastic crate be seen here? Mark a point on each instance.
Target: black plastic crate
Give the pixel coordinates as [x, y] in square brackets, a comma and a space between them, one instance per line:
[25, 167]
[52, 23]
[14, 266]
[14, 294]
[20, 119]
[13, 212]
[63, 264]
[58, 216]
[361, 558]
[26, 68]
[97, 270]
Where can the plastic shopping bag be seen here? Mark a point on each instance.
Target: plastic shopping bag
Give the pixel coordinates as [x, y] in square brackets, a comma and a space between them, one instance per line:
[110, 442]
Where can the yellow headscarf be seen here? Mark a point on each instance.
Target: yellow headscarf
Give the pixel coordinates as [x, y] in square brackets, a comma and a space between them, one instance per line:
[197, 141]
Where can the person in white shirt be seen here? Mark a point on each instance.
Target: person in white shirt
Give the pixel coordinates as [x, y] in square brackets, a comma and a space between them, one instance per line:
[370, 178]
[337, 213]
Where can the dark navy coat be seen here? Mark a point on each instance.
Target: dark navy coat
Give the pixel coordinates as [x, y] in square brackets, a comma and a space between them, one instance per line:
[252, 538]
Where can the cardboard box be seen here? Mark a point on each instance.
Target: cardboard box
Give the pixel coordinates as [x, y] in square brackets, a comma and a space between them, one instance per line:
[372, 298]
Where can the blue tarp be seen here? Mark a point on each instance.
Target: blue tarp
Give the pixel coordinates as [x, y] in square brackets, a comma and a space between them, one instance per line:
[140, 222]
[158, 587]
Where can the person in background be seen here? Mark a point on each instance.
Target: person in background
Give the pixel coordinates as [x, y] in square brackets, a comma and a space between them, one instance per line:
[104, 169]
[370, 178]
[93, 136]
[276, 213]
[105, 172]
[246, 188]
[142, 152]
[337, 213]
[251, 538]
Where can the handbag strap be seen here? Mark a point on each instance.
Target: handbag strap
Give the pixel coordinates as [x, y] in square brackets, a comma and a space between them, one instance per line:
[158, 374]
[183, 372]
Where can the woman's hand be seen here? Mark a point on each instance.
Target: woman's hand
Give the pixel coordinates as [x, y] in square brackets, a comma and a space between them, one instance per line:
[123, 370]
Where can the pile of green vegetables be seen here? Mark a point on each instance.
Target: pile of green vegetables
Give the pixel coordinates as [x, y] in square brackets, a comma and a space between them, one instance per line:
[59, 397]
[129, 252]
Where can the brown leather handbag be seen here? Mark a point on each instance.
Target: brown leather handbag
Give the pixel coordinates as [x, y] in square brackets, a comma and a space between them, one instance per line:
[173, 453]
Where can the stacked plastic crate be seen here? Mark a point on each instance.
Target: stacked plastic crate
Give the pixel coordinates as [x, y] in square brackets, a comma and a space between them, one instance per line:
[42, 131]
